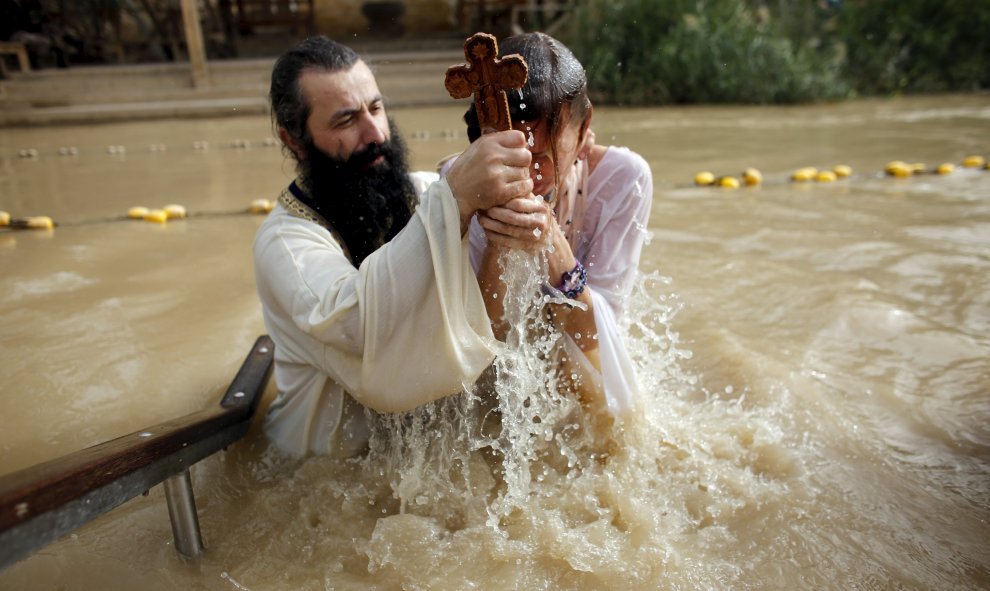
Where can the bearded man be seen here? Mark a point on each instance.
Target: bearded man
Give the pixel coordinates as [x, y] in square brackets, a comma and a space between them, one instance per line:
[362, 268]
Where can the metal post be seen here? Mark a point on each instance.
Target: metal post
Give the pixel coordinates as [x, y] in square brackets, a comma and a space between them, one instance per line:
[182, 513]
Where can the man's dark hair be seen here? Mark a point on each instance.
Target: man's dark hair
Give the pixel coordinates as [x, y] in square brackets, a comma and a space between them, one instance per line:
[289, 108]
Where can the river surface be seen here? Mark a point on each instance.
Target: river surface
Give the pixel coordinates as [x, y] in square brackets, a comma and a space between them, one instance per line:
[815, 362]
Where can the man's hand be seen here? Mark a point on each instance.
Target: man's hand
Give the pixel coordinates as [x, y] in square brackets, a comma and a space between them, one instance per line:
[493, 170]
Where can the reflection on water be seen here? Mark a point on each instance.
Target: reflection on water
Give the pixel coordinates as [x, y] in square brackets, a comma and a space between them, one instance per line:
[815, 358]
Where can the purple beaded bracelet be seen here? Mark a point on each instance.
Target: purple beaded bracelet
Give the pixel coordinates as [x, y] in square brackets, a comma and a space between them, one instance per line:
[572, 283]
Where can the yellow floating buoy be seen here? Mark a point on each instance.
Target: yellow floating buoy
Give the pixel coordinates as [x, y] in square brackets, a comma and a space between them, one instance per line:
[157, 216]
[825, 176]
[175, 211]
[728, 182]
[842, 171]
[945, 168]
[973, 161]
[752, 177]
[137, 213]
[894, 164]
[260, 206]
[918, 168]
[704, 179]
[805, 174]
[4, 218]
[38, 222]
[898, 168]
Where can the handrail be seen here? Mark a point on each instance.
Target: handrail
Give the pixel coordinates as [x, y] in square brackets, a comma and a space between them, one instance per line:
[42, 503]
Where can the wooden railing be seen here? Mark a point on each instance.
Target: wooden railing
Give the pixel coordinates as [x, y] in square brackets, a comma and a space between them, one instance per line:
[42, 503]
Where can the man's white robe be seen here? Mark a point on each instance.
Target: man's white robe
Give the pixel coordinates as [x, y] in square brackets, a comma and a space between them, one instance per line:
[406, 328]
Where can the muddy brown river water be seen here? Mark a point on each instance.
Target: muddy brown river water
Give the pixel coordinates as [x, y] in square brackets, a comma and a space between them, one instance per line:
[815, 360]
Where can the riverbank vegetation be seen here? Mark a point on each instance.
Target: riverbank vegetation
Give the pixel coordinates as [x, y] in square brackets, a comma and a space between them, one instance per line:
[779, 51]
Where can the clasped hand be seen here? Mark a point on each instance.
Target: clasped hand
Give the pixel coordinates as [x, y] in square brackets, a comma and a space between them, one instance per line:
[522, 223]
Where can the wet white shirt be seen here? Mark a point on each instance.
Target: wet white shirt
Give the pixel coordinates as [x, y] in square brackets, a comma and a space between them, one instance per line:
[604, 216]
[406, 328]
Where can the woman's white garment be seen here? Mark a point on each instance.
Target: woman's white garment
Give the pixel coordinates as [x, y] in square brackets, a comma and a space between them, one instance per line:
[604, 216]
[406, 328]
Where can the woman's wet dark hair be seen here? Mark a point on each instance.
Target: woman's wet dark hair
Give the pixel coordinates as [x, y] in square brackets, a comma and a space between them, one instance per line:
[556, 78]
[289, 108]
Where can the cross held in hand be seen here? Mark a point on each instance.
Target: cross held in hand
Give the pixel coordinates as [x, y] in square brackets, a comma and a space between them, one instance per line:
[487, 77]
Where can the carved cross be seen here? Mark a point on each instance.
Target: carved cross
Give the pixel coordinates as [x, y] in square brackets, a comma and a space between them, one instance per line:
[487, 77]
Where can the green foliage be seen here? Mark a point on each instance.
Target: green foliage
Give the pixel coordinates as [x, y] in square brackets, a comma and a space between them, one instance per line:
[752, 51]
[916, 46]
[673, 51]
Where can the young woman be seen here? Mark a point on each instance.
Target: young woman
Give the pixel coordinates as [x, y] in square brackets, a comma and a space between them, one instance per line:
[591, 205]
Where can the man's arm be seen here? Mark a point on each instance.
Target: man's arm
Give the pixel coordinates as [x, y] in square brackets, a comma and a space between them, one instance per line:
[409, 325]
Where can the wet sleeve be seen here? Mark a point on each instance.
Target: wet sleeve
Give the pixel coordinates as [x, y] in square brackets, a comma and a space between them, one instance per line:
[614, 251]
[612, 262]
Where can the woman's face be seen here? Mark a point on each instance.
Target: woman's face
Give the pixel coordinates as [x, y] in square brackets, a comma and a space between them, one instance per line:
[566, 146]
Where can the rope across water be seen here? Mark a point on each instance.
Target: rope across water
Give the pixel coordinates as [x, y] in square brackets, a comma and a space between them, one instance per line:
[750, 177]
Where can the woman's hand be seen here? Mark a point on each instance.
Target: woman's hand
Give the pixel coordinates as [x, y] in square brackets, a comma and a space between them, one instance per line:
[521, 223]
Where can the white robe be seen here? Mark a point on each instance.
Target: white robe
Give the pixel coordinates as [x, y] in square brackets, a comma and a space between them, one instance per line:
[406, 328]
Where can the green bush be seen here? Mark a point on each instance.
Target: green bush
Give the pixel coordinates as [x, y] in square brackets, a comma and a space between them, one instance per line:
[752, 51]
[916, 45]
[676, 51]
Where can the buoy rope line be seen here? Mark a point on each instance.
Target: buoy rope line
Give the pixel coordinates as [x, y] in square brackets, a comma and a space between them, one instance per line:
[203, 146]
[169, 212]
[159, 215]
[121, 150]
[750, 177]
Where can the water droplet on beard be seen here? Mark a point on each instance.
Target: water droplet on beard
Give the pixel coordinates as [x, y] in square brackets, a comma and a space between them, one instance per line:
[537, 232]
[522, 105]
[536, 165]
[539, 177]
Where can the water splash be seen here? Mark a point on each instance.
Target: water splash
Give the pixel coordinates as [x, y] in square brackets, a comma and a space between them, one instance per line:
[521, 422]
[531, 403]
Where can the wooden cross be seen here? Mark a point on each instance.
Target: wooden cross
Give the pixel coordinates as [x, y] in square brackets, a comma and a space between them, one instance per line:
[487, 77]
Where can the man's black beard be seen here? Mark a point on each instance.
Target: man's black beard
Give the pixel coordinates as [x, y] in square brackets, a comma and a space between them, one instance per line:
[366, 206]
